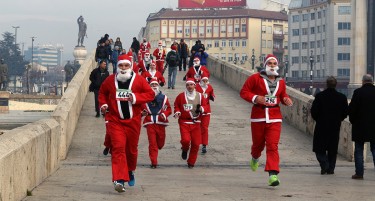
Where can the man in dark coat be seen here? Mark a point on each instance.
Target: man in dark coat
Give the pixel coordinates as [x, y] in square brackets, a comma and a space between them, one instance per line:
[328, 110]
[97, 77]
[361, 115]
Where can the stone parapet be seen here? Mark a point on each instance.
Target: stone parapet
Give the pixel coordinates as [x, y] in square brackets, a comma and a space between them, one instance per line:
[297, 116]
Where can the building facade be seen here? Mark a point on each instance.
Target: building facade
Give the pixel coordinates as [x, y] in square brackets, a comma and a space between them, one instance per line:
[46, 55]
[320, 43]
[234, 35]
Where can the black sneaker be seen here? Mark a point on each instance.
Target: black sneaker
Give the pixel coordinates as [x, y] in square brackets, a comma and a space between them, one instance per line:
[97, 115]
[204, 149]
[190, 166]
[323, 171]
[330, 172]
[153, 166]
[184, 155]
[106, 151]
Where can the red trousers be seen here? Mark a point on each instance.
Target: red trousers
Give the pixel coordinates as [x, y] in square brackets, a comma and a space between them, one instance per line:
[205, 122]
[124, 140]
[160, 66]
[266, 134]
[191, 136]
[156, 140]
[107, 139]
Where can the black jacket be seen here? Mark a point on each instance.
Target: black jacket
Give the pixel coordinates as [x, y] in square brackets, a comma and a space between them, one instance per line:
[135, 45]
[328, 110]
[362, 113]
[97, 77]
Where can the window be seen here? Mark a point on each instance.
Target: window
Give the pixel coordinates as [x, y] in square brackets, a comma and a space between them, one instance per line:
[312, 44]
[344, 26]
[208, 43]
[223, 43]
[304, 45]
[237, 43]
[216, 43]
[194, 29]
[295, 73]
[319, 29]
[223, 29]
[201, 31]
[318, 44]
[324, 28]
[164, 29]
[244, 57]
[295, 18]
[343, 41]
[304, 73]
[286, 45]
[263, 28]
[295, 32]
[295, 60]
[304, 59]
[209, 30]
[343, 72]
[269, 44]
[317, 58]
[243, 27]
[324, 57]
[312, 30]
[319, 15]
[344, 10]
[324, 42]
[269, 30]
[230, 28]
[305, 17]
[236, 28]
[264, 43]
[312, 16]
[230, 43]
[223, 56]
[304, 31]
[295, 46]
[216, 29]
[244, 43]
[179, 29]
[343, 56]
[230, 57]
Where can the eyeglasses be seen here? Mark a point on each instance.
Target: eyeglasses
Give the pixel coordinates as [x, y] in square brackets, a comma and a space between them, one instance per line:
[270, 63]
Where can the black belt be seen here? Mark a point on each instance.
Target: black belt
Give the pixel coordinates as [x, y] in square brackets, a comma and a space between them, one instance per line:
[265, 106]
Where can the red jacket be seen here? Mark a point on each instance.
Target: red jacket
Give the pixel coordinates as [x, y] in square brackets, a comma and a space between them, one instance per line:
[196, 74]
[163, 113]
[256, 85]
[145, 47]
[187, 116]
[140, 90]
[142, 65]
[157, 56]
[208, 94]
[147, 74]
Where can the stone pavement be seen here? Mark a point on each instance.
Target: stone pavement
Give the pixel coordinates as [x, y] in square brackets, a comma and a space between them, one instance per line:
[222, 174]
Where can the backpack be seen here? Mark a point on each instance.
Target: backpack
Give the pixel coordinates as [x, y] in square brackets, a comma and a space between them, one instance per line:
[172, 61]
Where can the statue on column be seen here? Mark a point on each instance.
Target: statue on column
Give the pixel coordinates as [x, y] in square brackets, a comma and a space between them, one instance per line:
[82, 27]
[3, 75]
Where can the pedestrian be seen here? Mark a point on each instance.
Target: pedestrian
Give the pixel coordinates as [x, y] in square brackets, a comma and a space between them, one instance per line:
[159, 54]
[123, 94]
[188, 108]
[97, 77]
[183, 52]
[205, 88]
[328, 109]
[156, 115]
[172, 61]
[144, 63]
[114, 57]
[361, 116]
[266, 90]
[135, 47]
[152, 72]
[118, 43]
[145, 45]
[102, 53]
[197, 70]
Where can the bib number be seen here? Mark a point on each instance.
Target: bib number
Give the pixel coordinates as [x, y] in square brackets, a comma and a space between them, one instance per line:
[197, 76]
[271, 100]
[188, 107]
[123, 94]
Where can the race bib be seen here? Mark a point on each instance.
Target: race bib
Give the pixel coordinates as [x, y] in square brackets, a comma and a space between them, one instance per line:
[197, 76]
[188, 107]
[271, 100]
[123, 94]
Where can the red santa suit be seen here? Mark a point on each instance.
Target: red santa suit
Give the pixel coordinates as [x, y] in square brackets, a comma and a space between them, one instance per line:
[265, 120]
[155, 121]
[196, 72]
[208, 93]
[148, 75]
[145, 46]
[189, 122]
[124, 119]
[159, 54]
[143, 65]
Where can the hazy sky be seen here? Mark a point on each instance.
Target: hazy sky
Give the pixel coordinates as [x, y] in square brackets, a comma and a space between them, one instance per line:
[55, 21]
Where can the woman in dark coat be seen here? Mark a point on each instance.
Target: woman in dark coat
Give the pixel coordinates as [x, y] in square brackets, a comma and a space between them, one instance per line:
[328, 109]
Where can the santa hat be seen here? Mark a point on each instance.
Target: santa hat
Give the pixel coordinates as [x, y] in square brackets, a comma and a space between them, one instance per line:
[173, 47]
[130, 53]
[153, 63]
[197, 57]
[190, 80]
[269, 57]
[124, 59]
[154, 80]
[160, 42]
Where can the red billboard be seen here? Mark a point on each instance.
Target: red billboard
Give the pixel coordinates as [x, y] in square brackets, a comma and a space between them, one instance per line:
[210, 3]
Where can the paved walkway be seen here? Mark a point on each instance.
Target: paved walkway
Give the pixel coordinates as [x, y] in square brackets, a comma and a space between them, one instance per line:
[222, 174]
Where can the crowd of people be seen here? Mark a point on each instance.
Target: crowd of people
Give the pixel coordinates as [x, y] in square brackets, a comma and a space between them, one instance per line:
[133, 91]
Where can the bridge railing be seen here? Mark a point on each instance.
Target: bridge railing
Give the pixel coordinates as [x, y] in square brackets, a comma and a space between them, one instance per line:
[298, 115]
[31, 153]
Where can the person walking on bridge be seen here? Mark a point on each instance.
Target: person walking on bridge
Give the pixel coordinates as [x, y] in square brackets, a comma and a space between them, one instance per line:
[123, 94]
[328, 109]
[266, 90]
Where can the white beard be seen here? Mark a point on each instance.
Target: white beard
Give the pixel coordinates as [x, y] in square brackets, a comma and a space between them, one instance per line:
[124, 77]
[191, 95]
[156, 90]
[197, 63]
[274, 72]
[147, 60]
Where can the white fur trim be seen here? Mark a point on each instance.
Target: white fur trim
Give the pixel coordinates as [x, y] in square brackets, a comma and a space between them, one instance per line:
[124, 61]
[254, 97]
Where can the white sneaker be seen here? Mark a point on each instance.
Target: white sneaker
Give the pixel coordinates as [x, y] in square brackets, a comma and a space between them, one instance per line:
[119, 186]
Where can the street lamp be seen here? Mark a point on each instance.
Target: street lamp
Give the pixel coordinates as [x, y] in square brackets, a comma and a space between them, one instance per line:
[286, 72]
[27, 78]
[311, 72]
[252, 59]
[15, 35]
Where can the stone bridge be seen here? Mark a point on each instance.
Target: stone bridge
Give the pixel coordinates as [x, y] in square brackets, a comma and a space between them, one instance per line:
[60, 158]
